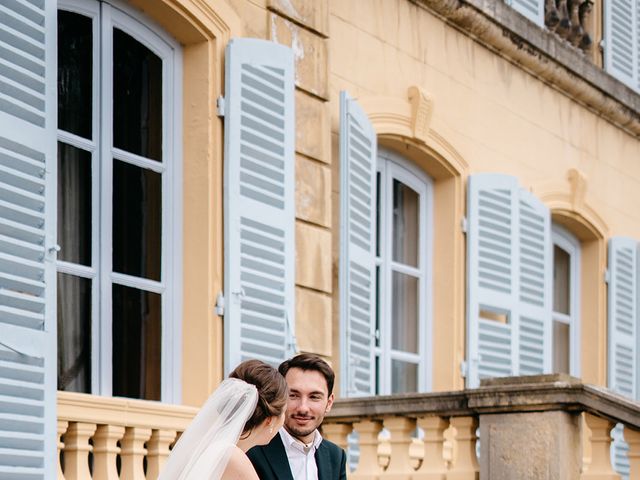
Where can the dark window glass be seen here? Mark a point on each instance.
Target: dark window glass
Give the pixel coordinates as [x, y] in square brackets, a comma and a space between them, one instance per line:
[74, 333]
[561, 347]
[404, 377]
[406, 224]
[137, 97]
[137, 221]
[404, 316]
[378, 211]
[74, 204]
[137, 334]
[75, 67]
[561, 281]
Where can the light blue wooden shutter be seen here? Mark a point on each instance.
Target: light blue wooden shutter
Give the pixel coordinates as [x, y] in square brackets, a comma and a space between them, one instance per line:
[509, 280]
[358, 145]
[259, 202]
[621, 40]
[535, 286]
[27, 237]
[622, 332]
[491, 276]
[532, 9]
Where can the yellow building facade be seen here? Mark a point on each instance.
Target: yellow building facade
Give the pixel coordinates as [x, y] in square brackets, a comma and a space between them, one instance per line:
[503, 233]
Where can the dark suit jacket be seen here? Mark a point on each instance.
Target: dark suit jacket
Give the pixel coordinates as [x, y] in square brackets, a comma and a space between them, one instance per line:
[271, 463]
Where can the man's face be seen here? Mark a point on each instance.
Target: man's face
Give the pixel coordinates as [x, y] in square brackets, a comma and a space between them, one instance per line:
[309, 401]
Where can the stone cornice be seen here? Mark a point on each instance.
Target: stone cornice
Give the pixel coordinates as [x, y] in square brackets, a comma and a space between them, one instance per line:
[544, 55]
[512, 395]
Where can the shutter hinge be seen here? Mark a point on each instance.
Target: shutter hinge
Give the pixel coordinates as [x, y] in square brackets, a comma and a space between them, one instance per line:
[602, 44]
[607, 276]
[220, 304]
[464, 224]
[464, 369]
[220, 106]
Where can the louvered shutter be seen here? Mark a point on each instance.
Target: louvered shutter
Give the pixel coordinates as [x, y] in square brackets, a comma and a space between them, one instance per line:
[259, 202]
[358, 146]
[621, 45]
[532, 9]
[535, 286]
[27, 235]
[491, 274]
[622, 332]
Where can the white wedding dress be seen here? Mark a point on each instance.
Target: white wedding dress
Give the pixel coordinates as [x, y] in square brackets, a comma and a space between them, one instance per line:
[203, 450]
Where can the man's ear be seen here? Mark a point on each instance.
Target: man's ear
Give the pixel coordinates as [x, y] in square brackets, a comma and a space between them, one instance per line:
[329, 403]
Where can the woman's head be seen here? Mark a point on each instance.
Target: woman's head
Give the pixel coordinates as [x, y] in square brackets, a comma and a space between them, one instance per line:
[272, 393]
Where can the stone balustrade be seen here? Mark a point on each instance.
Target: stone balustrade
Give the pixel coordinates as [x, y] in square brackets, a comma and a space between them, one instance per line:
[115, 438]
[548, 426]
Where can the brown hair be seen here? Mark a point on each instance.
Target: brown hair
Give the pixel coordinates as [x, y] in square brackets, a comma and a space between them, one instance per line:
[272, 391]
[307, 361]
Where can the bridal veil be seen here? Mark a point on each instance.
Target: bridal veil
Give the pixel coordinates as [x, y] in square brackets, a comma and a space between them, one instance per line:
[203, 450]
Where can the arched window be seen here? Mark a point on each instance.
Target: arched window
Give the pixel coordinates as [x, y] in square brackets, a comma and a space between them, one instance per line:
[403, 276]
[119, 171]
[566, 301]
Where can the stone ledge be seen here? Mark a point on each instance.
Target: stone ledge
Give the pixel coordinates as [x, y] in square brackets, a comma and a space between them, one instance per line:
[540, 52]
[511, 395]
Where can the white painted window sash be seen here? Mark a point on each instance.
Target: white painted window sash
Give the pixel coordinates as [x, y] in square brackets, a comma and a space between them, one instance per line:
[107, 16]
[393, 167]
[570, 244]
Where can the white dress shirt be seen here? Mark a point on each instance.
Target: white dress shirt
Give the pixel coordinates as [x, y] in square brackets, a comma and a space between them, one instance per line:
[302, 460]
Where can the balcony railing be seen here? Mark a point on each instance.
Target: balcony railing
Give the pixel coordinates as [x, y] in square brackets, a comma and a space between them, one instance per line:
[113, 438]
[548, 426]
[530, 427]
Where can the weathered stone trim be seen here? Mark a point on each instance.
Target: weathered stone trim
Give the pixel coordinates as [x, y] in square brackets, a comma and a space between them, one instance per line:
[513, 394]
[538, 51]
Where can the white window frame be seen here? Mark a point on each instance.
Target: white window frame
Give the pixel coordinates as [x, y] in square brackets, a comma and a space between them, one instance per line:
[106, 16]
[565, 240]
[392, 166]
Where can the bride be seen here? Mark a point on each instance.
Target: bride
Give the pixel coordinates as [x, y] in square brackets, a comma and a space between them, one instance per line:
[246, 410]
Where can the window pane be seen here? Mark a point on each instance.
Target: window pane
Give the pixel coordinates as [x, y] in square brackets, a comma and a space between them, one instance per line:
[74, 333]
[404, 318]
[404, 377]
[136, 343]
[75, 70]
[406, 224]
[74, 204]
[137, 221]
[561, 280]
[561, 347]
[137, 97]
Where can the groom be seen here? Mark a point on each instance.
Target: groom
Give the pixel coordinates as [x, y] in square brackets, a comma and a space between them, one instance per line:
[299, 452]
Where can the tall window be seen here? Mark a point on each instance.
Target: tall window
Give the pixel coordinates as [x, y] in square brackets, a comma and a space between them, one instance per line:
[118, 197]
[566, 288]
[403, 240]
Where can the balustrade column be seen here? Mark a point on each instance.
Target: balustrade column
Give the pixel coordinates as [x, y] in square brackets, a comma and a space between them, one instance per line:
[632, 437]
[105, 451]
[368, 467]
[132, 453]
[433, 466]
[600, 467]
[400, 429]
[465, 466]
[62, 428]
[158, 451]
[337, 433]
[76, 450]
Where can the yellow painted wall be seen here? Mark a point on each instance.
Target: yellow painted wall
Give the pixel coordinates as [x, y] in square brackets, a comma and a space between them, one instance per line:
[487, 115]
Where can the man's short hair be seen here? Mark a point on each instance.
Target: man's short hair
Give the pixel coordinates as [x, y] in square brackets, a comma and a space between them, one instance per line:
[306, 362]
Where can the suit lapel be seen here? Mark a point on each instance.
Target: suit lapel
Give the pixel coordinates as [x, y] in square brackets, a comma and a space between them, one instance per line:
[323, 462]
[277, 458]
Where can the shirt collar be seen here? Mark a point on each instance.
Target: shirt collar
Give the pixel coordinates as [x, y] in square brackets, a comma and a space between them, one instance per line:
[293, 442]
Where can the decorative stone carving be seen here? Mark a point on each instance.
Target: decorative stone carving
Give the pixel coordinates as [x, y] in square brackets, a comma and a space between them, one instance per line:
[421, 112]
[578, 182]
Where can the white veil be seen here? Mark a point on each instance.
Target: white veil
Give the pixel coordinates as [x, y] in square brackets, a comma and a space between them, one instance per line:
[203, 450]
